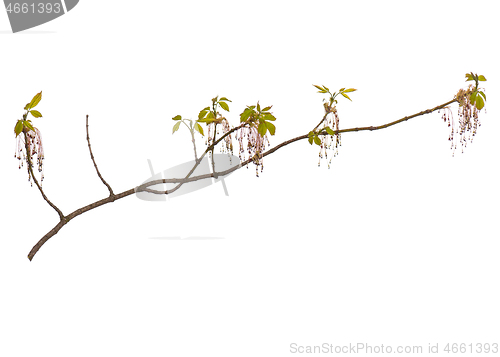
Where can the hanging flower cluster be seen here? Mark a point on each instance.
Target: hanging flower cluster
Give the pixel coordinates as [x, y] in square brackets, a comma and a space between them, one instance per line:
[330, 142]
[470, 102]
[255, 146]
[227, 143]
[29, 139]
[330, 124]
[259, 123]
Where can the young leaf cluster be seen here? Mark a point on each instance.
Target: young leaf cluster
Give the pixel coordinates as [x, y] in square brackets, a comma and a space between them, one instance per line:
[313, 136]
[343, 91]
[26, 123]
[255, 115]
[208, 115]
[477, 97]
[180, 120]
[329, 108]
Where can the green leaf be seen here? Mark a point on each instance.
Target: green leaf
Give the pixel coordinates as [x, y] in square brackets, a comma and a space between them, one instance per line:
[245, 115]
[317, 140]
[329, 131]
[224, 106]
[481, 78]
[469, 76]
[210, 115]
[321, 90]
[341, 89]
[350, 90]
[28, 124]
[199, 129]
[177, 117]
[262, 129]
[268, 116]
[34, 102]
[345, 95]
[19, 127]
[36, 113]
[473, 97]
[258, 107]
[224, 98]
[310, 140]
[202, 113]
[270, 127]
[206, 120]
[267, 108]
[176, 127]
[479, 102]
[482, 93]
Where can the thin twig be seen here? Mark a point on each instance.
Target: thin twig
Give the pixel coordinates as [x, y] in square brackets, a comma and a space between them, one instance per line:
[30, 169]
[213, 147]
[322, 120]
[194, 145]
[111, 194]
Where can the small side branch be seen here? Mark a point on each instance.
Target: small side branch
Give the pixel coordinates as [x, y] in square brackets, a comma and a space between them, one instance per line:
[30, 169]
[111, 194]
[194, 145]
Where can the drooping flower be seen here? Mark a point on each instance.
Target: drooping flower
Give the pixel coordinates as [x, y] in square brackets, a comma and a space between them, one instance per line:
[32, 141]
[255, 145]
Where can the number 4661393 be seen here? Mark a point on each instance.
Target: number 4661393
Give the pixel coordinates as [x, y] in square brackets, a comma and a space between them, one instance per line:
[40, 8]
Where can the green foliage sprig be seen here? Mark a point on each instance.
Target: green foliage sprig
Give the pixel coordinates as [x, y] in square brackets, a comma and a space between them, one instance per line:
[23, 123]
[208, 115]
[477, 98]
[329, 108]
[255, 115]
[191, 128]
[343, 91]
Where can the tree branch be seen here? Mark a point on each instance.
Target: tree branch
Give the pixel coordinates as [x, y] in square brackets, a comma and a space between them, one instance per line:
[111, 194]
[30, 169]
[65, 219]
[74, 214]
[144, 186]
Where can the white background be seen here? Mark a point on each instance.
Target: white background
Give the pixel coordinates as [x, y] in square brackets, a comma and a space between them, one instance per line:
[397, 244]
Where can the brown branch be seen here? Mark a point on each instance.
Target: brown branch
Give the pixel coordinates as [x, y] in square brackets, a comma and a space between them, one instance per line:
[111, 194]
[371, 128]
[322, 120]
[65, 219]
[30, 171]
[74, 214]
[144, 186]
